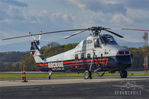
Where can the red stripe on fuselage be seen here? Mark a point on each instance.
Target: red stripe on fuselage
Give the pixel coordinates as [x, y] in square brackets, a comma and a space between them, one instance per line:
[84, 64]
[42, 64]
[88, 60]
[35, 53]
[79, 62]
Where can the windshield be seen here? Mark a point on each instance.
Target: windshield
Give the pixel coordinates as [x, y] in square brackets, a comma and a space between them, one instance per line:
[108, 39]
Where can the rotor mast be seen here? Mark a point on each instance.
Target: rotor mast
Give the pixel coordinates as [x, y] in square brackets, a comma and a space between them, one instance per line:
[96, 30]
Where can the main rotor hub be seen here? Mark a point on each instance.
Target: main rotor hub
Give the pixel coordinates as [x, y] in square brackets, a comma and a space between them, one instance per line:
[96, 30]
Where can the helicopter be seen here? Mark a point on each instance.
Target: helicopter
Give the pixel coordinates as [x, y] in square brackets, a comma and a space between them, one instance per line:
[97, 53]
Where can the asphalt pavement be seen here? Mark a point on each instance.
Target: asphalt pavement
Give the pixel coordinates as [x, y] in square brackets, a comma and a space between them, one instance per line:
[105, 88]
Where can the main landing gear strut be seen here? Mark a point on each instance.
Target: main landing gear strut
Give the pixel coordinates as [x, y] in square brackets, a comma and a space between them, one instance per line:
[88, 73]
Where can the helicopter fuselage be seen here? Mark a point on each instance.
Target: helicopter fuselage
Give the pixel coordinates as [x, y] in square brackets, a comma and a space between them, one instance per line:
[100, 53]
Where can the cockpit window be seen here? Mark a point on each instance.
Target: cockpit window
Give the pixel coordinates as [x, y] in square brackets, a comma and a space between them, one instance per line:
[108, 39]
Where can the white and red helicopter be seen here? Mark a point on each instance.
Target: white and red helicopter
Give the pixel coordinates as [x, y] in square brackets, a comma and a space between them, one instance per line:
[97, 53]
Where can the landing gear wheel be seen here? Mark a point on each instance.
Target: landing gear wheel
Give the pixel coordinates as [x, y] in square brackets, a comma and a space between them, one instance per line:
[87, 74]
[123, 74]
[49, 77]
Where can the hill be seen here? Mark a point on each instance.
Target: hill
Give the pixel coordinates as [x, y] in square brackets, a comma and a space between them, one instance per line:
[12, 56]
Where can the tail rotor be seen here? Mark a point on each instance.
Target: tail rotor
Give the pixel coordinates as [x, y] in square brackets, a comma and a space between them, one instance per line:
[33, 36]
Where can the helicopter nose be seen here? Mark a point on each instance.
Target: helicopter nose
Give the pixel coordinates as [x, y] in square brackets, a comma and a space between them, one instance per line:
[123, 57]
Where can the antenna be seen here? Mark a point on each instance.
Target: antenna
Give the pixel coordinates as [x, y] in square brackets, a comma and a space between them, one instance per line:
[145, 38]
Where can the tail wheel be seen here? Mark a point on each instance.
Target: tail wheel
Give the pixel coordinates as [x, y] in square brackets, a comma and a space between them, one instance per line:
[86, 74]
[50, 74]
[123, 74]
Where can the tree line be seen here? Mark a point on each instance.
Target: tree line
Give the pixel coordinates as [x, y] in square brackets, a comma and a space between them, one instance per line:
[14, 61]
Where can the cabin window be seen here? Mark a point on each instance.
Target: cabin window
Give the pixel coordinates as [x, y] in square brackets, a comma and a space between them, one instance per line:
[76, 56]
[88, 56]
[94, 56]
[82, 56]
[97, 43]
[101, 55]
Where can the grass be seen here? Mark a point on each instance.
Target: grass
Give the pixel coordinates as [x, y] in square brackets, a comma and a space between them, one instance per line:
[45, 75]
[19, 75]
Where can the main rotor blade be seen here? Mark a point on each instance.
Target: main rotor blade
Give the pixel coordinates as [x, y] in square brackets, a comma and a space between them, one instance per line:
[74, 34]
[114, 33]
[135, 29]
[16, 37]
[44, 33]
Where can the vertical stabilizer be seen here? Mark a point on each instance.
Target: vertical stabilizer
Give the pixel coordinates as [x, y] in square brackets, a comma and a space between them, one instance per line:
[35, 51]
[35, 48]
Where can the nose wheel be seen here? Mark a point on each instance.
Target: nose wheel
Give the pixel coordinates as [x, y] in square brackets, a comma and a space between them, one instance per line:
[123, 74]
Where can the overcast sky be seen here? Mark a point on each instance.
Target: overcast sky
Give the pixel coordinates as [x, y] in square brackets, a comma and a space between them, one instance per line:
[18, 17]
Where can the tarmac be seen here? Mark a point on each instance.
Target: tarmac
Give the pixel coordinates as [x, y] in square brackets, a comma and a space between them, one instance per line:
[76, 88]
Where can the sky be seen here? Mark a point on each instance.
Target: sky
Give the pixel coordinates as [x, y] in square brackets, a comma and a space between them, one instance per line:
[19, 17]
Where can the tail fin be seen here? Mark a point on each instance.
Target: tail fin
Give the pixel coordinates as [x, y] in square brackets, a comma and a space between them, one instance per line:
[35, 49]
